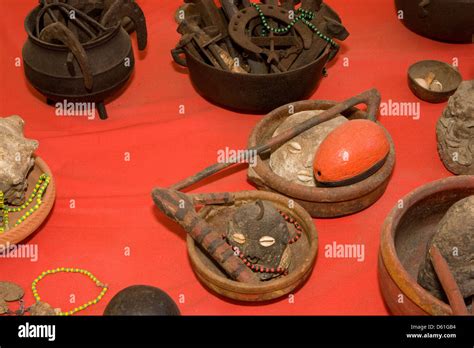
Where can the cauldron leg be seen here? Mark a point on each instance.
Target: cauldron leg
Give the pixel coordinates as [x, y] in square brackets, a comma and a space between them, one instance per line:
[102, 111]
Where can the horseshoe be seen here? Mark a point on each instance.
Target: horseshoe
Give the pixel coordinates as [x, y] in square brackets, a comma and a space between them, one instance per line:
[128, 8]
[239, 22]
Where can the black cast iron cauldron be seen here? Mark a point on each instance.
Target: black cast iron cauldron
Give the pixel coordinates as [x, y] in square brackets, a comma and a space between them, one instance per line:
[443, 20]
[253, 93]
[56, 73]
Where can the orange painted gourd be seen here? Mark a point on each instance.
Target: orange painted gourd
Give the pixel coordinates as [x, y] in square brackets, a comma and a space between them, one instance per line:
[351, 153]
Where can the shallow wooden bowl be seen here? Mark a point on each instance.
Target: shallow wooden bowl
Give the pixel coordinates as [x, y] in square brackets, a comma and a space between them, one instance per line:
[404, 242]
[31, 224]
[304, 252]
[445, 73]
[318, 201]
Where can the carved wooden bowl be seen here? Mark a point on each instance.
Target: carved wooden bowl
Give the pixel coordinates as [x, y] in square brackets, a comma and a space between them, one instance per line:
[404, 242]
[304, 252]
[17, 234]
[449, 77]
[318, 201]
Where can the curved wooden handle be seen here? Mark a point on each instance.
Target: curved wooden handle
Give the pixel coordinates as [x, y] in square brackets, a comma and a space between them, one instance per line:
[177, 53]
[371, 98]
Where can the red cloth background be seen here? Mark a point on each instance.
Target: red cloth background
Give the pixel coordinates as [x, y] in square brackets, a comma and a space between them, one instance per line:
[113, 205]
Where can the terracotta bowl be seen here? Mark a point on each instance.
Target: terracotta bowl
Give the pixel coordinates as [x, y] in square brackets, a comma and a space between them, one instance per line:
[449, 77]
[304, 252]
[319, 202]
[30, 225]
[404, 240]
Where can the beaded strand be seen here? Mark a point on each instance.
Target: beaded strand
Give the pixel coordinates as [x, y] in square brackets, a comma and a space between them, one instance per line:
[304, 16]
[37, 193]
[299, 229]
[4, 222]
[71, 270]
[259, 268]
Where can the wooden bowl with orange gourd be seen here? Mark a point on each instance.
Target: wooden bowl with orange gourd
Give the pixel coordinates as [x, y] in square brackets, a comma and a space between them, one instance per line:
[322, 202]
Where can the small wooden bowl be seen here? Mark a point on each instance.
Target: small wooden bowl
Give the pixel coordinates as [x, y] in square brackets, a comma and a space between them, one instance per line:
[31, 224]
[449, 77]
[404, 241]
[304, 252]
[318, 201]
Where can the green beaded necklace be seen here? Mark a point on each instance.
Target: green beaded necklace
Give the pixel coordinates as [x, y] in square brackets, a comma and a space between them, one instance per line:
[304, 16]
[37, 193]
[104, 287]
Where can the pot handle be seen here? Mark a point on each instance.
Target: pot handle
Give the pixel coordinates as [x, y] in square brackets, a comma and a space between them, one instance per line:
[422, 10]
[177, 53]
[372, 100]
[121, 9]
[58, 31]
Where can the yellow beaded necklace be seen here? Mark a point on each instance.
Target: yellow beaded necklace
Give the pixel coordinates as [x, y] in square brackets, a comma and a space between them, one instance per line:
[71, 270]
[37, 193]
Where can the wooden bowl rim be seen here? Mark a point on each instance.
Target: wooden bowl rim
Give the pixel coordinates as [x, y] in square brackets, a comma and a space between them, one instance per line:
[319, 194]
[392, 263]
[293, 278]
[30, 225]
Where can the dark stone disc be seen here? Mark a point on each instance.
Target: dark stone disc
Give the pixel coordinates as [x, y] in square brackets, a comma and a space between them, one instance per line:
[142, 300]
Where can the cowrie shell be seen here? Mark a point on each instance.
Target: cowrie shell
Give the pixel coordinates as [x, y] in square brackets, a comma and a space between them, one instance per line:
[294, 147]
[422, 83]
[267, 241]
[304, 176]
[238, 238]
[436, 86]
